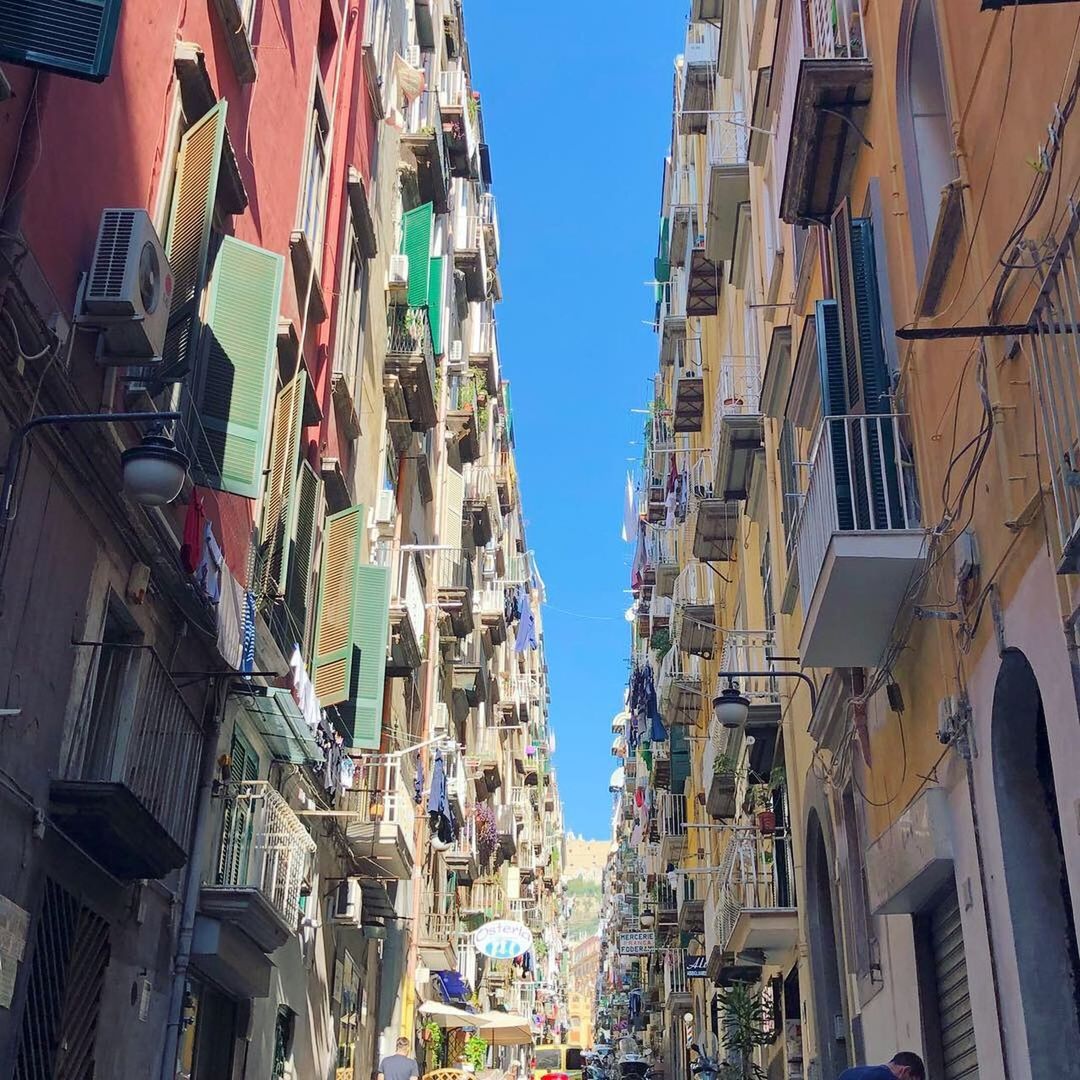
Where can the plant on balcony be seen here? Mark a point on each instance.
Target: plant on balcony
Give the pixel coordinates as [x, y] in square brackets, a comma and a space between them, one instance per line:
[759, 799]
[432, 1035]
[746, 1026]
[475, 1052]
[660, 642]
[487, 833]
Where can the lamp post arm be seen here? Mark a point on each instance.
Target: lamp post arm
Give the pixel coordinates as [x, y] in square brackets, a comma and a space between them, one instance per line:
[18, 437]
[777, 675]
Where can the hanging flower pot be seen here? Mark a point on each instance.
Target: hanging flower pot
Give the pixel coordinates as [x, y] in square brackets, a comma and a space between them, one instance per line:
[766, 822]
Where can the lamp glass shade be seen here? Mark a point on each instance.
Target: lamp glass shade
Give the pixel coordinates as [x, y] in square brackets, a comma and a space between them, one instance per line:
[154, 471]
[731, 708]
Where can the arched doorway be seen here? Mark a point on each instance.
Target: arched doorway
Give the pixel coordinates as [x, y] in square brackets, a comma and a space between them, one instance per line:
[828, 997]
[1036, 878]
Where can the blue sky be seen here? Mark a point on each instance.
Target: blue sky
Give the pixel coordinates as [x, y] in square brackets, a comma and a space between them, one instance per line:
[577, 109]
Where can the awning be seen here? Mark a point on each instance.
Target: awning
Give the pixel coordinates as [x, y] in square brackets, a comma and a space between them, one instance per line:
[504, 1029]
[377, 903]
[448, 1016]
[280, 722]
[452, 985]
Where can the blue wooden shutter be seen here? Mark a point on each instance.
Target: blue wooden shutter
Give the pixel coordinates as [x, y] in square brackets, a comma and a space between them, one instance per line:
[72, 37]
[417, 229]
[239, 362]
[834, 403]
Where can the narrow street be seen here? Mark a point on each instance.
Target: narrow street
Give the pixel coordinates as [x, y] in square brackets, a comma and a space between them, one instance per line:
[388, 400]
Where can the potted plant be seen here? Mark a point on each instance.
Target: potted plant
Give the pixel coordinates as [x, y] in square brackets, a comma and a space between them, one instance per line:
[760, 797]
[475, 1052]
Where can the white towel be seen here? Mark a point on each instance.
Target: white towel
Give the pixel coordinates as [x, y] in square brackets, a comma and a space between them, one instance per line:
[230, 612]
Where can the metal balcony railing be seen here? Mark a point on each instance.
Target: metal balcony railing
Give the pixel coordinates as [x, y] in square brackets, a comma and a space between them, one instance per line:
[695, 586]
[750, 650]
[453, 569]
[756, 874]
[440, 927]
[675, 981]
[466, 232]
[408, 593]
[274, 858]
[661, 545]
[858, 482]
[671, 814]
[727, 138]
[701, 478]
[483, 341]
[479, 483]
[383, 792]
[717, 750]
[702, 43]
[154, 753]
[739, 389]
[424, 115]
[836, 30]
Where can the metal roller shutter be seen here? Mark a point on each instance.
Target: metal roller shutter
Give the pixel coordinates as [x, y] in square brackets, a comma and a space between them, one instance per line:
[951, 984]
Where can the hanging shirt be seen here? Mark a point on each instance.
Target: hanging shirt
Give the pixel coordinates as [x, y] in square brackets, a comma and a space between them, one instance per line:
[191, 544]
[526, 635]
[247, 663]
[211, 560]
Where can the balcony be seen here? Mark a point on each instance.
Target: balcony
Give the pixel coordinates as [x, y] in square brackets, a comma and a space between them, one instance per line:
[680, 687]
[484, 348]
[858, 541]
[664, 896]
[728, 180]
[685, 213]
[714, 521]
[491, 607]
[697, 77]
[461, 856]
[661, 557]
[671, 825]
[513, 701]
[705, 280]
[689, 405]
[409, 368]
[481, 503]
[694, 624]
[738, 426]
[677, 992]
[831, 103]
[423, 135]
[382, 808]
[265, 857]
[506, 483]
[438, 941]
[470, 252]
[489, 219]
[486, 899]
[468, 413]
[467, 660]
[453, 572]
[459, 110]
[691, 902]
[720, 775]
[755, 910]
[129, 802]
[407, 624]
[485, 761]
[672, 314]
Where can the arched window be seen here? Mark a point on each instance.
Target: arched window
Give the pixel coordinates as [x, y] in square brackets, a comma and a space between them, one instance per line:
[925, 129]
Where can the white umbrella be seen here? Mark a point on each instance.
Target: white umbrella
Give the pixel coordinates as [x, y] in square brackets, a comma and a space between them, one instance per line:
[504, 1029]
[449, 1016]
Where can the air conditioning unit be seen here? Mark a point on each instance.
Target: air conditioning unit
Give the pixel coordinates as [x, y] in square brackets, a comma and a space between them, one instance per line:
[346, 903]
[456, 357]
[385, 507]
[399, 272]
[130, 288]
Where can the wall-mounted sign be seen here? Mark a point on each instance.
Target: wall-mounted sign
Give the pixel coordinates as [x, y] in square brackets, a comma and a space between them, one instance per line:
[697, 967]
[638, 943]
[503, 939]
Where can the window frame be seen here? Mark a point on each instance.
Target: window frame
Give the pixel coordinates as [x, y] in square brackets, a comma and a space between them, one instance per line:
[311, 202]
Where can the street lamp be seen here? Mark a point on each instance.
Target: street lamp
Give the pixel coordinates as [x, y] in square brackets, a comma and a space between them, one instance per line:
[731, 708]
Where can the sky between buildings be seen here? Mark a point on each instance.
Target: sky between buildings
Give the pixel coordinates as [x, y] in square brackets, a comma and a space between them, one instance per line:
[576, 98]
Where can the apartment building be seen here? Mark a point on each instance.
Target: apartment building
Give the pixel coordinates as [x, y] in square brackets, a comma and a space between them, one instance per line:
[276, 728]
[843, 825]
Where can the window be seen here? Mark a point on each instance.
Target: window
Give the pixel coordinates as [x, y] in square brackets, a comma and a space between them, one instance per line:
[349, 353]
[347, 997]
[862, 941]
[208, 1032]
[115, 683]
[926, 132]
[312, 192]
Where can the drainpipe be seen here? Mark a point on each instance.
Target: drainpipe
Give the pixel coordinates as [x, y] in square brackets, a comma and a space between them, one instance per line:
[193, 881]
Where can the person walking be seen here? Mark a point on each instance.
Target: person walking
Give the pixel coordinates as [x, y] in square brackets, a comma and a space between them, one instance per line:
[399, 1066]
[904, 1066]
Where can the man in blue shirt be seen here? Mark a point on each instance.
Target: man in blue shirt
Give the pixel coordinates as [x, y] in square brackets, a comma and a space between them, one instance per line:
[904, 1066]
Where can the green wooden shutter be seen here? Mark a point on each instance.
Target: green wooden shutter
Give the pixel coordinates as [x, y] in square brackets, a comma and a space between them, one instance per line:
[281, 483]
[435, 305]
[843, 289]
[187, 241]
[662, 262]
[834, 403]
[373, 626]
[305, 515]
[238, 366]
[351, 631]
[417, 228]
[239, 815]
[509, 413]
[885, 505]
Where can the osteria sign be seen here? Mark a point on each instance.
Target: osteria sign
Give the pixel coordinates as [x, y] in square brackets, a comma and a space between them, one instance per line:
[503, 939]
